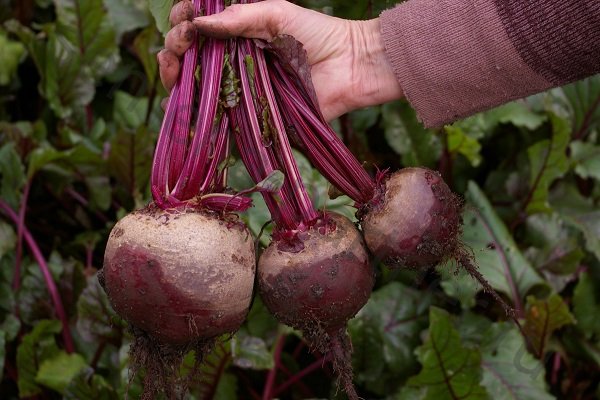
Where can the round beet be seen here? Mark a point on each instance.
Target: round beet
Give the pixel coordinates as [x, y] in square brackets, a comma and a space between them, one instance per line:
[319, 288]
[417, 222]
[181, 279]
[180, 276]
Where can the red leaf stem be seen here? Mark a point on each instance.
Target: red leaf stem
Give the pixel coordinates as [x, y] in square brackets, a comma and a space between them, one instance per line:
[255, 154]
[20, 226]
[314, 133]
[290, 169]
[50, 284]
[300, 374]
[269, 384]
[191, 176]
[181, 129]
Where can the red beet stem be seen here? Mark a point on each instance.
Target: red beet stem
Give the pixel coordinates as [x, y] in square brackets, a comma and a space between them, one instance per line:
[194, 169]
[304, 204]
[248, 135]
[318, 140]
[184, 172]
[263, 142]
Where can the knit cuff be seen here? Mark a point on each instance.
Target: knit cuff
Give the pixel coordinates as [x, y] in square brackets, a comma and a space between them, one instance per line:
[453, 58]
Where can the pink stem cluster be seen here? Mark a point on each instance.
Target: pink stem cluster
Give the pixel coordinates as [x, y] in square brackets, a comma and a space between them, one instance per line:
[262, 139]
[318, 141]
[186, 169]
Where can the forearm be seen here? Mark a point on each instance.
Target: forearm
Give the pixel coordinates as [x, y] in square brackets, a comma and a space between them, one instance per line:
[454, 58]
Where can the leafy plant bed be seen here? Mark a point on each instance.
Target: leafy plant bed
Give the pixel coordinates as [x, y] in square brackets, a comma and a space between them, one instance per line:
[79, 122]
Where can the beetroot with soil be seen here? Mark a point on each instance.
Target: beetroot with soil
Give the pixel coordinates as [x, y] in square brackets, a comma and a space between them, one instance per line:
[169, 273]
[316, 273]
[181, 271]
[409, 218]
[417, 221]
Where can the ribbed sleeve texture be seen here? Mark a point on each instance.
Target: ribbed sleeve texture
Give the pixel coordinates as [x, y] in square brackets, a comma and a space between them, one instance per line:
[454, 58]
[558, 39]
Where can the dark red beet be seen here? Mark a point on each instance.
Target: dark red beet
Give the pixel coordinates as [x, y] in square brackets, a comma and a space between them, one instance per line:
[417, 222]
[319, 288]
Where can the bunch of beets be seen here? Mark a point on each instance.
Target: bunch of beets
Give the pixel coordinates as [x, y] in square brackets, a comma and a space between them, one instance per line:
[181, 271]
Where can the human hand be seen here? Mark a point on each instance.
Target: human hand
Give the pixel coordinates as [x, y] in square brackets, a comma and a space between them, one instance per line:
[349, 66]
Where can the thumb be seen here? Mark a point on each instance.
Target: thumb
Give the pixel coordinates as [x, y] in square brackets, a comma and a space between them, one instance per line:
[261, 20]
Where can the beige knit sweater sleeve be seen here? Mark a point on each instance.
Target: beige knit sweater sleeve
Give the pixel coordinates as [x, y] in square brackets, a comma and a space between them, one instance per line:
[454, 58]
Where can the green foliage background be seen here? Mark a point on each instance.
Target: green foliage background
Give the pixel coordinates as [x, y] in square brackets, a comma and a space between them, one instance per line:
[79, 115]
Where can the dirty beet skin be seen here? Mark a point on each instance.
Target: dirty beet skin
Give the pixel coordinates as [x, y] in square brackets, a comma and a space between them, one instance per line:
[179, 276]
[418, 222]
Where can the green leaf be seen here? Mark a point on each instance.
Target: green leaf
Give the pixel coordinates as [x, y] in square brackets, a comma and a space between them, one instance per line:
[509, 371]
[35, 47]
[32, 297]
[450, 370]
[227, 388]
[2, 353]
[586, 305]
[580, 213]
[272, 183]
[411, 393]
[130, 159]
[97, 321]
[89, 386]
[260, 321]
[555, 248]
[145, 44]
[582, 100]
[549, 162]
[11, 54]
[58, 371]
[126, 16]
[129, 386]
[42, 156]
[499, 259]
[37, 346]
[10, 327]
[516, 113]
[66, 82]
[12, 175]
[250, 352]
[385, 333]
[130, 112]
[586, 158]
[160, 10]
[407, 136]
[86, 26]
[8, 239]
[589, 225]
[463, 142]
[7, 294]
[100, 191]
[543, 318]
[212, 371]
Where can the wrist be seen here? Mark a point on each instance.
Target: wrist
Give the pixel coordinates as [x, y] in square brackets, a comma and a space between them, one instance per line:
[374, 80]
